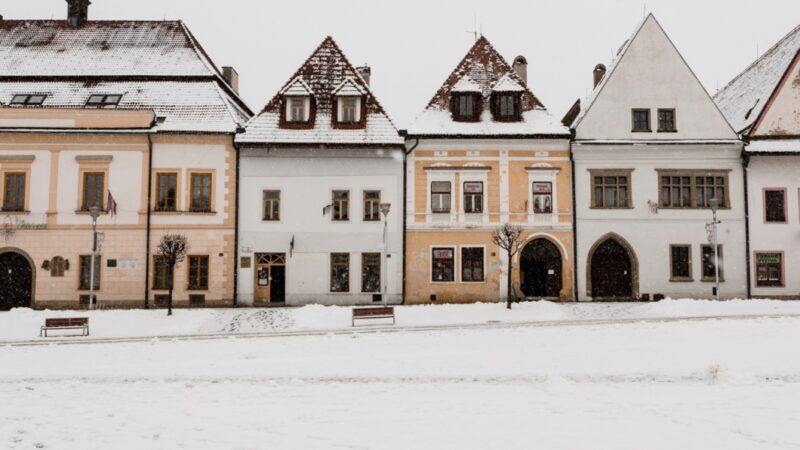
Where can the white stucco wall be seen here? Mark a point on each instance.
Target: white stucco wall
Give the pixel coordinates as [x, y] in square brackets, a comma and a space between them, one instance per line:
[306, 179]
[650, 234]
[775, 172]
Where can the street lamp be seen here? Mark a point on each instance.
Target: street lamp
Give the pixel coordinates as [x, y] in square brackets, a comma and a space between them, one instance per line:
[711, 227]
[94, 212]
[385, 207]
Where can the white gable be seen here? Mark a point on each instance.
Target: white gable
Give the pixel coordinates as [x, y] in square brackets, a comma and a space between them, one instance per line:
[782, 116]
[348, 88]
[297, 87]
[465, 84]
[650, 73]
[507, 84]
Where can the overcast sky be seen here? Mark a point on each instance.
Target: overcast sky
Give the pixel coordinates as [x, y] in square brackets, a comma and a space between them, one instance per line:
[412, 45]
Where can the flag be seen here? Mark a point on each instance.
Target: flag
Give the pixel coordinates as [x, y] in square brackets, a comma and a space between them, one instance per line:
[111, 205]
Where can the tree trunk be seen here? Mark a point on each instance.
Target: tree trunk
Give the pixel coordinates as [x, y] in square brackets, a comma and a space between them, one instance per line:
[169, 302]
[508, 280]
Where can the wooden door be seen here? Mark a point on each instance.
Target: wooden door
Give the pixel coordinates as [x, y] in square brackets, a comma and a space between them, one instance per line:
[612, 275]
[269, 284]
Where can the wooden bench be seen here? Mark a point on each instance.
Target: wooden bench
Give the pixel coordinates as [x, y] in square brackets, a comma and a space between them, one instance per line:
[382, 312]
[72, 323]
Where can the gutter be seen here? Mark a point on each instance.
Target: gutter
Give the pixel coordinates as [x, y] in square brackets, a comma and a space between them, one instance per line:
[745, 164]
[405, 200]
[149, 215]
[574, 222]
[236, 224]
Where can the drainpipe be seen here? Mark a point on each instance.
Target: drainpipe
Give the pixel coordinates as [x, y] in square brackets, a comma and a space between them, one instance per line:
[236, 224]
[745, 164]
[574, 223]
[404, 134]
[147, 237]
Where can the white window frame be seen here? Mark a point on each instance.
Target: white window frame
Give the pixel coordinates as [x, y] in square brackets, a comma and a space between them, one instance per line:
[306, 108]
[456, 272]
[460, 259]
[543, 174]
[340, 108]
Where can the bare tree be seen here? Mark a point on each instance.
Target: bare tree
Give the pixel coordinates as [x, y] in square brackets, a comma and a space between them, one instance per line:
[173, 249]
[509, 238]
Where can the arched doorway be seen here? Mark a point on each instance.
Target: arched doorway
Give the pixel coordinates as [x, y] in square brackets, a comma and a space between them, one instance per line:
[16, 279]
[612, 270]
[540, 269]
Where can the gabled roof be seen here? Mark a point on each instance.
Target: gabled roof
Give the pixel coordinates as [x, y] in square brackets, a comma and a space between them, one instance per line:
[349, 87]
[744, 99]
[155, 65]
[297, 87]
[484, 67]
[465, 84]
[507, 84]
[323, 72]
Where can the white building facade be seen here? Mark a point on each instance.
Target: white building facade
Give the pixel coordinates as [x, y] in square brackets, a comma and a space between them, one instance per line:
[321, 193]
[651, 152]
[763, 105]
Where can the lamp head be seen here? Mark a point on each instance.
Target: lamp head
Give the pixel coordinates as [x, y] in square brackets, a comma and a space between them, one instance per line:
[385, 207]
[94, 211]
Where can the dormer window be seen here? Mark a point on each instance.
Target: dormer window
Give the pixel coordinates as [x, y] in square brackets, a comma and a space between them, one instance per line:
[28, 100]
[349, 104]
[507, 107]
[349, 109]
[103, 101]
[466, 107]
[297, 109]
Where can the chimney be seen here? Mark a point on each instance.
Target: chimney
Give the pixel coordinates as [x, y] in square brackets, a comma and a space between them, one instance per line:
[599, 73]
[520, 66]
[231, 76]
[366, 73]
[77, 12]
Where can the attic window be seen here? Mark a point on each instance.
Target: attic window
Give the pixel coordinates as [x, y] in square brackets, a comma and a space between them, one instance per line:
[103, 101]
[297, 109]
[466, 107]
[349, 109]
[28, 100]
[507, 107]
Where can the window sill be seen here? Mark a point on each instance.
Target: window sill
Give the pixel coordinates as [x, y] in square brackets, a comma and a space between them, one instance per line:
[86, 212]
[667, 131]
[199, 213]
[14, 212]
[271, 221]
[696, 208]
[682, 280]
[767, 222]
[711, 280]
[443, 282]
[611, 207]
[641, 131]
[197, 289]
[768, 286]
[473, 282]
[340, 293]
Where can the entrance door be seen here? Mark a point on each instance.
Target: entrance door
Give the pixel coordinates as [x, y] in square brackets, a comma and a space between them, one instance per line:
[16, 281]
[611, 271]
[270, 278]
[540, 269]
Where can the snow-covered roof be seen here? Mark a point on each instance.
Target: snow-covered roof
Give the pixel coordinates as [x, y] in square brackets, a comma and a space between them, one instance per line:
[507, 84]
[482, 70]
[774, 146]
[100, 48]
[349, 87]
[154, 65]
[324, 71]
[744, 98]
[464, 84]
[297, 87]
[185, 105]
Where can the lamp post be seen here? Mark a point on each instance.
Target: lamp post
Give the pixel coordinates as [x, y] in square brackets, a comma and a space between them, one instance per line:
[385, 207]
[712, 227]
[94, 212]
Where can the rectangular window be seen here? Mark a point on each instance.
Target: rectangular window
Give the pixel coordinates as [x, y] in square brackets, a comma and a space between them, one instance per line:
[200, 185]
[692, 188]
[473, 197]
[472, 264]
[465, 105]
[443, 265]
[641, 120]
[708, 262]
[775, 205]
[769, 269]
[340, 272]
[440, 196]
[297, 109]
[372, 206]
[28, 100]
[370, 272]
[507, 106]
[542, 198]
[341, 205]
[162, 276]
[681, 262]
[93, 190]
[166, 191]
[666, 120]
[272, 206]
[103, 101]
[198, 273]
[611, 189]
[349, 112]
[14, 192]
[86, 273]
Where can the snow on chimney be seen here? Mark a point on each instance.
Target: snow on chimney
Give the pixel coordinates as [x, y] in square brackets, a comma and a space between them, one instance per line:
[231, 76]
[598, 73]
[520, 66]
[77, 12]
[366, 73]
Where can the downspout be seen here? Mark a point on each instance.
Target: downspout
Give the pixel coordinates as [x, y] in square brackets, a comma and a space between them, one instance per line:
[147, 237]
[745, 164]
[574, 222]
[405, 199]
[236, 224]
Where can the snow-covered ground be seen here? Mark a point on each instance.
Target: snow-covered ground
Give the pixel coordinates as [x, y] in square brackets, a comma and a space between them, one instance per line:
[23, 324]
[705, 384]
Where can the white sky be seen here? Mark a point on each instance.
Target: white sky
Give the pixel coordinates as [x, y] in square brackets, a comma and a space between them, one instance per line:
[412, 45]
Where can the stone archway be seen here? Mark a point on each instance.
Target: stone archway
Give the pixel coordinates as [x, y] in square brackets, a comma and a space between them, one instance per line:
[541, 268]
[613, 270]
[17, 274]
